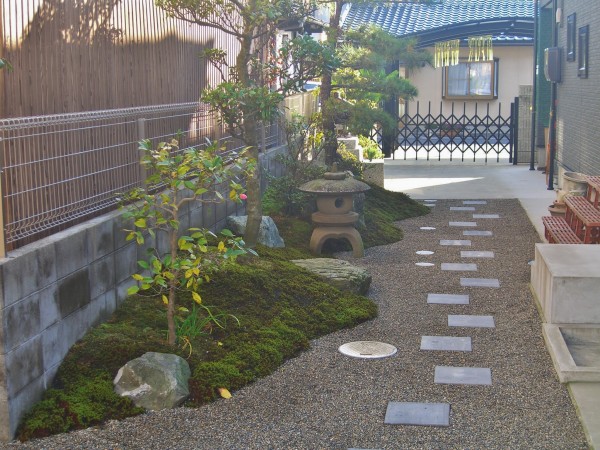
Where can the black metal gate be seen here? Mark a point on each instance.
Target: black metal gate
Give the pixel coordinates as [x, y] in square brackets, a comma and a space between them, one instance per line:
[425, 135]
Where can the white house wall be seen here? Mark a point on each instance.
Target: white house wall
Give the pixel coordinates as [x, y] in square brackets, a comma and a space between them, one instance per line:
[515, 68]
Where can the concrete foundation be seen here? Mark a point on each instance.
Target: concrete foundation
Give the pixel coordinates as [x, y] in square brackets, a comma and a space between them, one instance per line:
[566, 280]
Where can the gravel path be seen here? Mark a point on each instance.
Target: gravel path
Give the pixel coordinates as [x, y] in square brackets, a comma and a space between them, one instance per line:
[324, 400]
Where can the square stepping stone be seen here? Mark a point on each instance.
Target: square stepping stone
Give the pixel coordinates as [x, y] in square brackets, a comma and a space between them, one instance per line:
[459, 267]
[476, 254]
[455, 242]
[462, 375]
[477, 233]
[480, 282]
[486, 216]
[462, 208]
[446, 343]
[471, 321]
[412, 413]
[448, 299]
[474, 202]
[462, 224]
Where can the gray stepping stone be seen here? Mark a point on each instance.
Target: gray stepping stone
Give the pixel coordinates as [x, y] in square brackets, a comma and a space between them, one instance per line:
[477, 233]
[427, 228]
[431, 200]
[454, 242]
[474, 202]
[448, 299]
[480, 282]
[462, 224]
[412, 413]
[431, 205]
[459, 267]
[471, 321]
[476, 254]
[486, 216]
[424, 264]
[424, 252]
[446, 343]
[462, 375]
[462, 208]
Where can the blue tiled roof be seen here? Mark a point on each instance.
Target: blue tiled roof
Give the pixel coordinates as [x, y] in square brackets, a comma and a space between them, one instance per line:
[510, 19]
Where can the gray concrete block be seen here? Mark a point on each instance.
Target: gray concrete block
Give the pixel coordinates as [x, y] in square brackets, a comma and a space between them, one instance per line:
[486, 216]
[459, 267]
[72, 252]
[21, 321]
[471, 321]
[22, 401]
[411, 413]
[19, 276]
[462, 208]
[196, 216]
[221, 210]
[23, 365]
[54, 345]
[477, 233]
[111, 302]
[121, 291]
[48, 304]
[455, 242]
[102, 276]
[101, 239]
[480, 282]
[448, 299]
[462, 375]
[462, 224]
[476, 254]
[46, 259]
[126, 262]
[474, 202]
[446, 343]
[73, 292]
[119, 233]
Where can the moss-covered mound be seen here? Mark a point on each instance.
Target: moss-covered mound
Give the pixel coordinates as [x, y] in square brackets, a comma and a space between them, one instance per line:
[279, 307]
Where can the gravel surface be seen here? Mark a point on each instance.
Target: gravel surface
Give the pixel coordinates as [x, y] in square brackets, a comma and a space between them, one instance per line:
[325, 400]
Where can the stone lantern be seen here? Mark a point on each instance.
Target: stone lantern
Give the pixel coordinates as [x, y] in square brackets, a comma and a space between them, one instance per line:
[335, 218]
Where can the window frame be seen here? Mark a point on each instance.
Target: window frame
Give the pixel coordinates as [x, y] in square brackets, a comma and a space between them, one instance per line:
[583, 46]
[571, 37]
[494, 82]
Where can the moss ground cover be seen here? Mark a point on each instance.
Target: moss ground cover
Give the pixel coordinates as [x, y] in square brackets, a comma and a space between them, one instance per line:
[279, 306]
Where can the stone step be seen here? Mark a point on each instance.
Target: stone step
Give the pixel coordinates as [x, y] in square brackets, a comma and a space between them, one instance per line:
[412, 413]
[448, 299]
[480, 282]
[471, 321]
[462, 375]
[446, 343]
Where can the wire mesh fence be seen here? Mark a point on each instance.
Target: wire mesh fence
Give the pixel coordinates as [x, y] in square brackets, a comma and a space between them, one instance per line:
[61, 170]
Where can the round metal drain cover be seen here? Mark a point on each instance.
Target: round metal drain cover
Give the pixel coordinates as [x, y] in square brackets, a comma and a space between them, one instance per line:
[368, 349]
[424, 252]
[424, 264]
[427, 228]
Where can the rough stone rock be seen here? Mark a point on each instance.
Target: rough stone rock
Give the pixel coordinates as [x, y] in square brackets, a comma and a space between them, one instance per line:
[268, 233]
[339, 273]
[154, 380]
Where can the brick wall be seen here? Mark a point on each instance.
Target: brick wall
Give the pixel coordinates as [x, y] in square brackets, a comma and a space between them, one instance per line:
[578, 122]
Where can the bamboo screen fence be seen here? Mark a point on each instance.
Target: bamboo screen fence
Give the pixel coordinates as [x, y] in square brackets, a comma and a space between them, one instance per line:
[88, 55]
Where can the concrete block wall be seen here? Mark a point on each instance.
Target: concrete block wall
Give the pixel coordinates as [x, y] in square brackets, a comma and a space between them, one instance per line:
[54, 290]
[578, 133]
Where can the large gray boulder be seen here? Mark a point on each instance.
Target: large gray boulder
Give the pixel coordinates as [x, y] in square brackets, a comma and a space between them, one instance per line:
[339, 273]
[268, 233]
[154, 380]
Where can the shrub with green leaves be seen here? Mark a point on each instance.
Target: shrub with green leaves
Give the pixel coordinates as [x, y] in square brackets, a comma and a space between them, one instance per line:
[370, 148]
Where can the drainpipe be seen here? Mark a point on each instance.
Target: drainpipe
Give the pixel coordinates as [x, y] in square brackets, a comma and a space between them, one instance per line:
[553, 101]
[533, 94]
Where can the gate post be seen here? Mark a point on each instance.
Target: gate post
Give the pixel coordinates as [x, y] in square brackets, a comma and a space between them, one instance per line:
[514, 122]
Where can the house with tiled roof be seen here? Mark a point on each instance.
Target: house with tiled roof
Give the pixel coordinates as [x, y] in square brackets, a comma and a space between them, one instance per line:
[509, 24]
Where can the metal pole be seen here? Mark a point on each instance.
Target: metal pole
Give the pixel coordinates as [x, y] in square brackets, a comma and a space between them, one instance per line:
[553, 100]
[534, 93]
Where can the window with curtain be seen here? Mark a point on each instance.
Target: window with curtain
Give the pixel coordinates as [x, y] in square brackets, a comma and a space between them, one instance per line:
[471, 80]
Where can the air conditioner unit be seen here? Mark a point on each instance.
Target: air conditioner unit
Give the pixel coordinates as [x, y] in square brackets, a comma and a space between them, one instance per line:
[552, 58]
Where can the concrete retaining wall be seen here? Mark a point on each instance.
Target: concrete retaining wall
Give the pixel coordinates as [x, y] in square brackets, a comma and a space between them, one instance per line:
[54, 290]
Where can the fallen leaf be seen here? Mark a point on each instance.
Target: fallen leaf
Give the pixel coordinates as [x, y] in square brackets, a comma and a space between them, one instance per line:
[224, 392]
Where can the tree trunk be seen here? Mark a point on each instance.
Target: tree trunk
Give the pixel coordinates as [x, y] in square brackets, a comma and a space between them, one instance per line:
[328, 121]
[172, 334]
[253, 204]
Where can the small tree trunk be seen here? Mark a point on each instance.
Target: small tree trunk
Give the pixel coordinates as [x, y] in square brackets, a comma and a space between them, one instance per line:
[172, 334]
